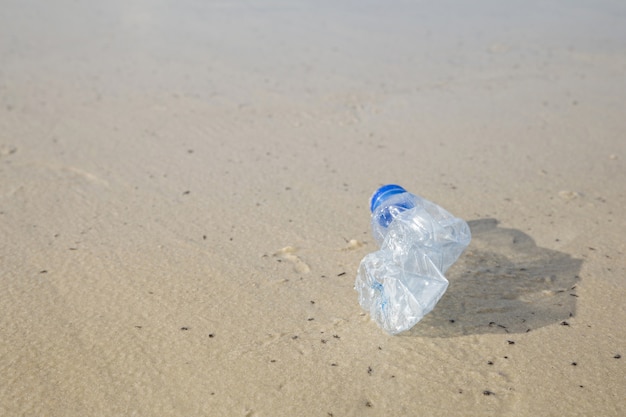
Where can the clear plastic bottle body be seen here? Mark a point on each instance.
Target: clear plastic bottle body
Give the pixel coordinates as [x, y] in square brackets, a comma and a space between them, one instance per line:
[403, 281]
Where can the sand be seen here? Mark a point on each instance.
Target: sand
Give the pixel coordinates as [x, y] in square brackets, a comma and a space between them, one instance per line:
[184, 204]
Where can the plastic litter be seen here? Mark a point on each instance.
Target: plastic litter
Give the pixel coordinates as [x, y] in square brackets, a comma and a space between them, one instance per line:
[403, 281]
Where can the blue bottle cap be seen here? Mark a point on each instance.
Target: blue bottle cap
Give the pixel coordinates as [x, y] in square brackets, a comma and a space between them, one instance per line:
[384, 193]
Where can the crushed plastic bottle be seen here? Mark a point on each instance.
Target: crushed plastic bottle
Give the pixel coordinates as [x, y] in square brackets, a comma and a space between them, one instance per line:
[403, 281]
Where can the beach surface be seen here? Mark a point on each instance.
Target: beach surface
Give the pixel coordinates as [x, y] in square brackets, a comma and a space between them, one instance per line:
[184, 205]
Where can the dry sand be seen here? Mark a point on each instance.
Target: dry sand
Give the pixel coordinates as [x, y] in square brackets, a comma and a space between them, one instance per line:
[184, 203]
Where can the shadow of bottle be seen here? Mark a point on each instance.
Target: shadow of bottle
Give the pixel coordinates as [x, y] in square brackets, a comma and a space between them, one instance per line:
[503, 283]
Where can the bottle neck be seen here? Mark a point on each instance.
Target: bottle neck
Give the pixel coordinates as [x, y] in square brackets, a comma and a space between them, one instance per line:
[383, 193]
